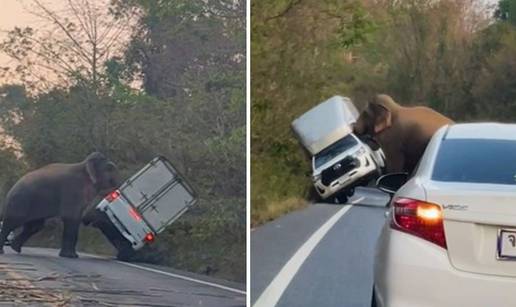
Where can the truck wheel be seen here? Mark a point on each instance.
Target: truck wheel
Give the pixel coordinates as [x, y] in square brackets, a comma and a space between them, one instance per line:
[125, 254]
[341, 198]
[350, 192]
[125, 250]
[314, 196]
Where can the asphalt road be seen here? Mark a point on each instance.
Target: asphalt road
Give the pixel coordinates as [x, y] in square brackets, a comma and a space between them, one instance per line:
[38, 277]
[319, 256]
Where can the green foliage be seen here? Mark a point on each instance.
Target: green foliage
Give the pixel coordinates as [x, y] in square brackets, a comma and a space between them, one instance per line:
[444, 54]
[12, 169]
[506, 11]
[71, 47]
[190, 109]
[358, 30]
[302, 53]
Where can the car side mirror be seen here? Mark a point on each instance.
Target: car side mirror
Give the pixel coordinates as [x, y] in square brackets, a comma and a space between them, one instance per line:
[390, 183]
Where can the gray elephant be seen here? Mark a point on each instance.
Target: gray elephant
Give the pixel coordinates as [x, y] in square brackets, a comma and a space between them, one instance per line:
[402, 132]
[62, 190]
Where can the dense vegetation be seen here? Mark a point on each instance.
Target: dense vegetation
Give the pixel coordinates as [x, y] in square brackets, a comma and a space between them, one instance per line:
[134, 79]
[459, 57]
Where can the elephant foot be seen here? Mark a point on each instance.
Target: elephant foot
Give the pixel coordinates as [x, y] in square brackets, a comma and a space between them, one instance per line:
[15, 246]
[68, 254]
[1, 250]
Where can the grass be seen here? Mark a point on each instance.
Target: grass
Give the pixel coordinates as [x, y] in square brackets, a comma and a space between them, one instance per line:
[276, 188]
[271, 210]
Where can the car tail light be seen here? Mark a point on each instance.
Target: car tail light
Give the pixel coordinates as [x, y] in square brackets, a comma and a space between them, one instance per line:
[419, 218]
[149, 238]
[113, 196]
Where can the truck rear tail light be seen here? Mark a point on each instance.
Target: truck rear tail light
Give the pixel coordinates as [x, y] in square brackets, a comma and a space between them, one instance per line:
[149, 238]
[113, 196]
[419, 218]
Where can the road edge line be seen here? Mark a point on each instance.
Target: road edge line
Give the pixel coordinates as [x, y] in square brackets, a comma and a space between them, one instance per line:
[206, 283]
[272, 294]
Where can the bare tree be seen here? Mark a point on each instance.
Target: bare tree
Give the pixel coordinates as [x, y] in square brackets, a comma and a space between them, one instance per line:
[71, 46]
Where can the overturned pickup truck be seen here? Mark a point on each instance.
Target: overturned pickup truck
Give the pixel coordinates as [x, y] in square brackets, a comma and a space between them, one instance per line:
[144, 205]
[340, 160]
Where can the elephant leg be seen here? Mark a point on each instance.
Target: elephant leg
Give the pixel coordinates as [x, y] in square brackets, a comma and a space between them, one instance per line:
[8, 225]
[395, 162]
[29, 229]
[70, 234]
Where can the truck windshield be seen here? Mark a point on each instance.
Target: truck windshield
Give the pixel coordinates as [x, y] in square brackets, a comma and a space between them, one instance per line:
[476, 161]
[334, 150]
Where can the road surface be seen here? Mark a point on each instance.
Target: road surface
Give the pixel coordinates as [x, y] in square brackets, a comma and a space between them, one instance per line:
[38, 277]
[318, 256]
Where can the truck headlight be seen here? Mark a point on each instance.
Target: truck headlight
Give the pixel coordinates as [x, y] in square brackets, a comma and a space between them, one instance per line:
[316, 178]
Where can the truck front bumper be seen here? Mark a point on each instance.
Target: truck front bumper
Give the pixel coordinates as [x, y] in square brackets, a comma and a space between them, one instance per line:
[351, 179]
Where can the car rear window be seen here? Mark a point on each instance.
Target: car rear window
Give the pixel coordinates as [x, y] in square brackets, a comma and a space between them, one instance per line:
[476, 161]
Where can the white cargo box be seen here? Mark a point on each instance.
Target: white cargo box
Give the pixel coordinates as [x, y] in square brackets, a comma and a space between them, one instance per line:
[158, 193]
[325, 123]
[148, 202]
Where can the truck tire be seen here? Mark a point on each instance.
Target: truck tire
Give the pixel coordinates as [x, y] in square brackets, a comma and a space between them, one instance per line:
[341, 198]
[313, 196]
[124, 249]
[125, 252]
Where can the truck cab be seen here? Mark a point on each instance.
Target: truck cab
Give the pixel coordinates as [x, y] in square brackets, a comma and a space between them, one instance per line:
[345, 164]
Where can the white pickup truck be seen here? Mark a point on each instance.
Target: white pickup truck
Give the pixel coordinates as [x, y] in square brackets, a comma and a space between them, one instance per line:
[340, 160]
[147, 203]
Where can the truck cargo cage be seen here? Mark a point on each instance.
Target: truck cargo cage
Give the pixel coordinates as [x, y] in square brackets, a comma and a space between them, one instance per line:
[158, 193]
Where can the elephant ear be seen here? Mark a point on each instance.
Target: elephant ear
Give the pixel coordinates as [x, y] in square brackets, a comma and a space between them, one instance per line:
[382, 117]
[91, 170]
[111, 167]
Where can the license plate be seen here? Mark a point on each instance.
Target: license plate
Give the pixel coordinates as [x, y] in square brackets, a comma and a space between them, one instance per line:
[507, 244]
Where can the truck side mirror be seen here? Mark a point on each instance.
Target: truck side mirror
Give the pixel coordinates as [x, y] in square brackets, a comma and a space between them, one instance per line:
[390, 183]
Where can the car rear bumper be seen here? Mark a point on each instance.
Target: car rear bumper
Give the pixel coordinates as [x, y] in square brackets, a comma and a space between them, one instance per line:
[410, 271]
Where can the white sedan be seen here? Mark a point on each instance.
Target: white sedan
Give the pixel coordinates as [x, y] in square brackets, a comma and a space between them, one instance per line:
[450, 235]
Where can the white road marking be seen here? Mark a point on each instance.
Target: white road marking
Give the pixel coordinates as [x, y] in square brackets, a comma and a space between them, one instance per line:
[206, 283]
[272, 294]
[202, 282]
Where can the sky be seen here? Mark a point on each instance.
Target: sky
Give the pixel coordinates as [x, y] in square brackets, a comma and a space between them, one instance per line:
[13, 14]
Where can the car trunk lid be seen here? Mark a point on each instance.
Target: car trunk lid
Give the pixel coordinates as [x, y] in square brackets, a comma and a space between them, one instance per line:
[472, 224]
